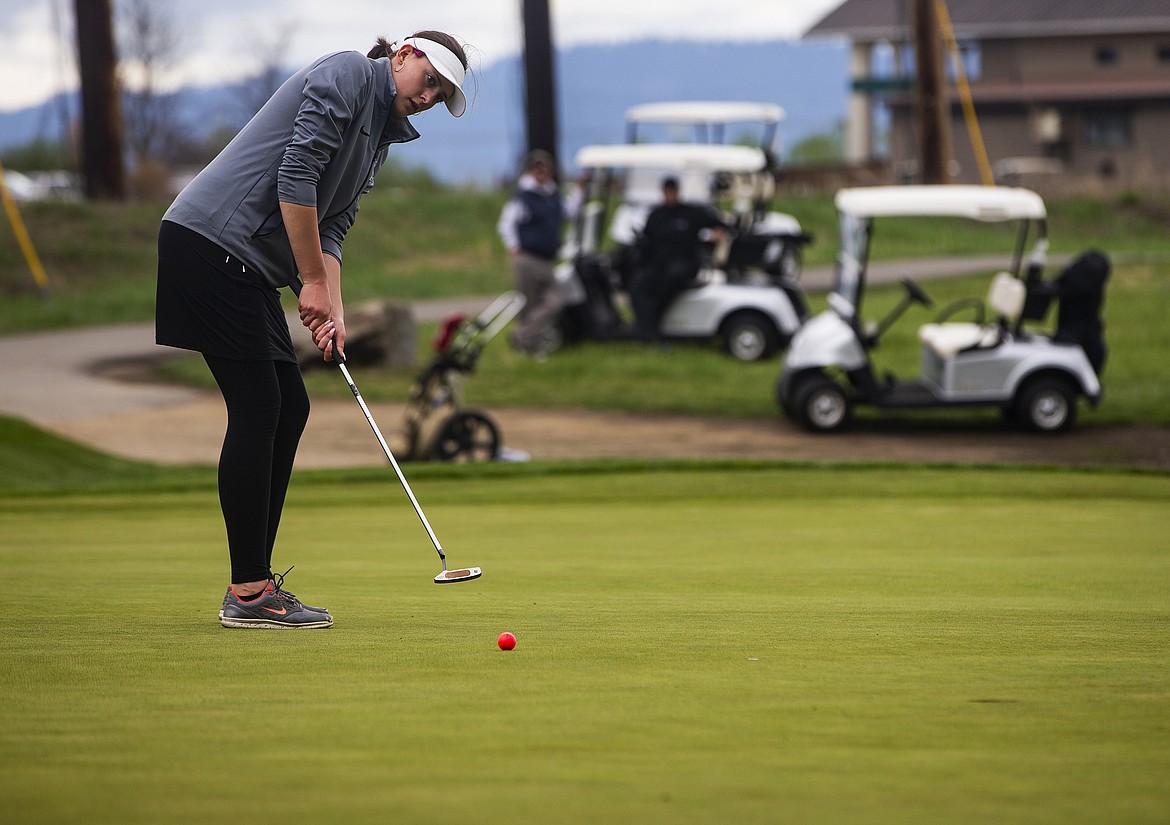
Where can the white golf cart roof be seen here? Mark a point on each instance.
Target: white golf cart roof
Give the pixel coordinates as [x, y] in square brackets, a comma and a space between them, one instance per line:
[679, 157]
[981, 203]
[704, 111]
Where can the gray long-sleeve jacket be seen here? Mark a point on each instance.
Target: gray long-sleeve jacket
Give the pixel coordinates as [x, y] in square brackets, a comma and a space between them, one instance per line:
[319, 141]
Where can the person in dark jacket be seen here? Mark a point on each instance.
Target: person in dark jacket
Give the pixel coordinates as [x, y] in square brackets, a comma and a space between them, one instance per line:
[530, 228]
[274, 205]
[669, 253]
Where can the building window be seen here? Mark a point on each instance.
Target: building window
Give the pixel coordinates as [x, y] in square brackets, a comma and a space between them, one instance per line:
[1108, 55]
[1108, 130]
[971, 58]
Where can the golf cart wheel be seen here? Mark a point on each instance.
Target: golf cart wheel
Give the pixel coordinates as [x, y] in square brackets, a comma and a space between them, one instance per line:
[468, 436]
[750, 336]
[1047, 404]
[821, 405]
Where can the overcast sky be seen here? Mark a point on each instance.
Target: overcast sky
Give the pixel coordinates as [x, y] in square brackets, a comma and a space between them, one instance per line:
[218, 37]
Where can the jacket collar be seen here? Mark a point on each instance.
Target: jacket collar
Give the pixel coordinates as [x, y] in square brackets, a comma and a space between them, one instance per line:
[395, 129]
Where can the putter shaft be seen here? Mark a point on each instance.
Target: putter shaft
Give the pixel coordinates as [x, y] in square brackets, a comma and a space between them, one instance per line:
[393, 463]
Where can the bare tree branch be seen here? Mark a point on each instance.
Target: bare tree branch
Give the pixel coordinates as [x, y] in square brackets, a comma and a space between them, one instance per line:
[270, 51]
[151, 42]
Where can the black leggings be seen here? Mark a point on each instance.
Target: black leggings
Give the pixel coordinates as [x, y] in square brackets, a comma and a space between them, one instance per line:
[267, 409]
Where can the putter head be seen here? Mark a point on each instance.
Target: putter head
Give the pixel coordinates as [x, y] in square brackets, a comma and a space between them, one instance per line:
[463, 574]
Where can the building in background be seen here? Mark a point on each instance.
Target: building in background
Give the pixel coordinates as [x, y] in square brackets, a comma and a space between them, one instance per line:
[1069, 96]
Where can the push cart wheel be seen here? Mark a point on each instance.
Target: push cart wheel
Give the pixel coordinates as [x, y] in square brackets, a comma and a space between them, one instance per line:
[821, 405]
[468, 436]
[1047, 404]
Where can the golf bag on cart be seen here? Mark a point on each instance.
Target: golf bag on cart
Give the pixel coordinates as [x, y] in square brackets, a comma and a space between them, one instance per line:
[590, 312]
[1081, 289]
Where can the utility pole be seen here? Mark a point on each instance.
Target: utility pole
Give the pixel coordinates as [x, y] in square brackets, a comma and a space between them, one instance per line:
[540, 92]
[101, 112]
[932, 104]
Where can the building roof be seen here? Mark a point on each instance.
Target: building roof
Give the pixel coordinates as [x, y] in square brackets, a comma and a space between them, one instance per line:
[871, 20]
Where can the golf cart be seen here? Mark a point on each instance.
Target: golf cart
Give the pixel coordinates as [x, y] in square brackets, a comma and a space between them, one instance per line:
[710, 122]
[1035, 378]
[746, 293]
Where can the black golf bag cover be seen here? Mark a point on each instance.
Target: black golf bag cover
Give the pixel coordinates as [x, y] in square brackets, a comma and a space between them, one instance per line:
[1081, 290]
[597, 317]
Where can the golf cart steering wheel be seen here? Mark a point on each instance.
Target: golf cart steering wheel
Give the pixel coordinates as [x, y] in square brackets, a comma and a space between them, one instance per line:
[916, 294]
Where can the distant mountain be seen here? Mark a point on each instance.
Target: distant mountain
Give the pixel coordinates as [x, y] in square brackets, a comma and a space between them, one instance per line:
[595, 85]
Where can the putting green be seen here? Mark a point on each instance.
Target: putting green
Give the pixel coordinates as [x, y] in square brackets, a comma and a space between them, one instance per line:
[695, 644]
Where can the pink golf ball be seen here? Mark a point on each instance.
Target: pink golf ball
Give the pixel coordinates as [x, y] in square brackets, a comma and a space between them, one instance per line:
[506, 641]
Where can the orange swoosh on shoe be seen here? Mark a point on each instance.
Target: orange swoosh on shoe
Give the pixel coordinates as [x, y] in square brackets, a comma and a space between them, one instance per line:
[280, 612]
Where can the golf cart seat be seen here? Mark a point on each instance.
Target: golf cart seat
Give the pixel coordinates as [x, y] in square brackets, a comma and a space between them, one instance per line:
[1006, 297]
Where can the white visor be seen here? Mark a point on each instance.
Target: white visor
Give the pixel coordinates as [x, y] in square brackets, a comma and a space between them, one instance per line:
[446, 64]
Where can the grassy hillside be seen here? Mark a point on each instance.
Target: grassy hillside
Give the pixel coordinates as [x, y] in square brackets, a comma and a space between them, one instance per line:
[35, 463]
[415, 239]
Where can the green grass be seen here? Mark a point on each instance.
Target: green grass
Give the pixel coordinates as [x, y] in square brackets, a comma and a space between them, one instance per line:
[697, 643]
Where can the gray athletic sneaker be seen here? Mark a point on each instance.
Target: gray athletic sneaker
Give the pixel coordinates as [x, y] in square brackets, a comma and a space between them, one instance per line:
[279, 577]
[273, 609]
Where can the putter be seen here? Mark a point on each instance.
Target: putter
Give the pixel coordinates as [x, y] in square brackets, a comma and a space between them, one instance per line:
[446, 576]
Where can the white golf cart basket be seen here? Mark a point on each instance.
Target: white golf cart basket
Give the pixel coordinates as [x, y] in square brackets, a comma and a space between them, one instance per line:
[746, 293]
[1035, 378]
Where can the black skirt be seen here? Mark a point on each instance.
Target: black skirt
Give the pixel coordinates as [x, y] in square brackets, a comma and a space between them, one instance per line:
[210, 301]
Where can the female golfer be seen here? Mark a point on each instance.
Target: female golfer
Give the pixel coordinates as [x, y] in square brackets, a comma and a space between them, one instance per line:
[277, 203]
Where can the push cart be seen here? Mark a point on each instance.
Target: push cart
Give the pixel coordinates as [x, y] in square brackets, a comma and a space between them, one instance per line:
[437, 426]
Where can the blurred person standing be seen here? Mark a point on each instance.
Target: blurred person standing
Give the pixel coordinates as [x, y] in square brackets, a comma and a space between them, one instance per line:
[271, 211]
[530, 227]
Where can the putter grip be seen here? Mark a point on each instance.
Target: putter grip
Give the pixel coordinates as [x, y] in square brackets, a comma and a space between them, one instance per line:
[296, 286]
